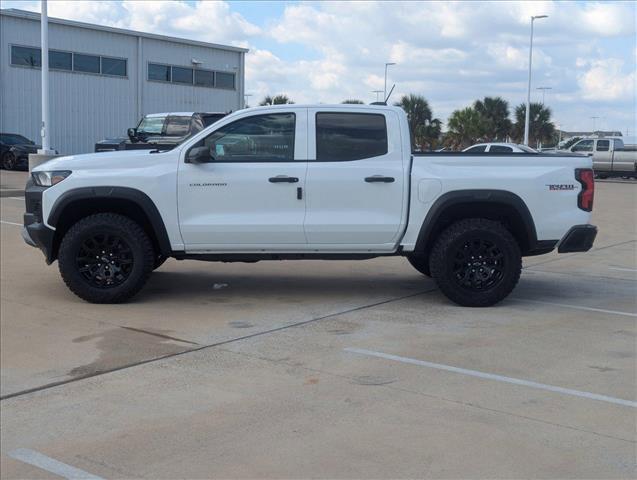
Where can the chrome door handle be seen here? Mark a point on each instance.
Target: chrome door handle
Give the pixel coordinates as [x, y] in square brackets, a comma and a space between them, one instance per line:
[379, 179]
[283, 179]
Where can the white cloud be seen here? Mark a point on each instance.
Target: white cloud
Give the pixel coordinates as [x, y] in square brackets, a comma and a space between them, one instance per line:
[606, 80]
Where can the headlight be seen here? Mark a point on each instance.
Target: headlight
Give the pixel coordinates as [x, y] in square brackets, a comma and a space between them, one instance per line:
[48, 179]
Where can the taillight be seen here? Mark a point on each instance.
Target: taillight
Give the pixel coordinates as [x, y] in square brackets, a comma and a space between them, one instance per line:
[586, 177]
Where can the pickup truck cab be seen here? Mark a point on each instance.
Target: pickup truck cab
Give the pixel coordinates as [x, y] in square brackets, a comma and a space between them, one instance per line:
[292, 182]
[610, 158]
[160, 131]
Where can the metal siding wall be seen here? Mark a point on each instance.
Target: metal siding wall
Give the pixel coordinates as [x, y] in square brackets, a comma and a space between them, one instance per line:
[86, 108]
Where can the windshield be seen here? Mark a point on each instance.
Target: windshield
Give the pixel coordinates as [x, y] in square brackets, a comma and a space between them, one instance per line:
[151, 125]
[15, 139]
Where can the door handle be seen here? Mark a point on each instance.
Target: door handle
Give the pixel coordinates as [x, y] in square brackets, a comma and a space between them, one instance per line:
[379, 179]
[283, 179]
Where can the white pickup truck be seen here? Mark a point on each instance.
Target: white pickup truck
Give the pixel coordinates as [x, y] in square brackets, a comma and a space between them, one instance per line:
[307, 182]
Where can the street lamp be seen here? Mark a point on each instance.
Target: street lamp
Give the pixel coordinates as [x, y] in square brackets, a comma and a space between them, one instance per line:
[377, 92]
[385, 89]
[594, 118]
[528, 93]
[245, 99]
[544, 89]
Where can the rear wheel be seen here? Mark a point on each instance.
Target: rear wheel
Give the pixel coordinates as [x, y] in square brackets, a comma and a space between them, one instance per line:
[476, 262]
[106, 258]
[9, 161]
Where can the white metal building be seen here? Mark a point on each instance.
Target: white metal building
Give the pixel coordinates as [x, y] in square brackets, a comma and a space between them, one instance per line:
[103, 79]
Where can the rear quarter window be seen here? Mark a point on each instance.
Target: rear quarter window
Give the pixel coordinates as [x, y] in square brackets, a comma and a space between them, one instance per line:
[342, 137]
[500, 149]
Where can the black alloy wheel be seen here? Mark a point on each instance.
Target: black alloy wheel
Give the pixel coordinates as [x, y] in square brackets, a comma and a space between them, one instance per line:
[478, 264]
[105, 260]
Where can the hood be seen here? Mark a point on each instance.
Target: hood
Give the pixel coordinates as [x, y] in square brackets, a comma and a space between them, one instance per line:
[25, 147]
[90, 161]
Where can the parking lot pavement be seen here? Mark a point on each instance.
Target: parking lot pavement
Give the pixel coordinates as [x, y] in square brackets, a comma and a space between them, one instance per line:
[324, 369]
[12, 183]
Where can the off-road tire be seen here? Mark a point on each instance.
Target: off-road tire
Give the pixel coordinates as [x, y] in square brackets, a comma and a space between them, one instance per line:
[458, 241]
[139, 249]
[420, 263]
[9, 161]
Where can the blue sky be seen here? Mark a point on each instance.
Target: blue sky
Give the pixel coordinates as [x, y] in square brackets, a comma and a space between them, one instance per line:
[450, 52]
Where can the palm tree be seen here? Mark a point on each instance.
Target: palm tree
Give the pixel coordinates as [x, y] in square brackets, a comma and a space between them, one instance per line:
[541, 129]
[495, 114]
[464, 128]
[276, 100]
[425, 130]
[353, 101]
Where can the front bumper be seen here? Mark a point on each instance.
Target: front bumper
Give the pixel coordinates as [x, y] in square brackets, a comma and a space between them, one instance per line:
[579, 238]
[35, 232]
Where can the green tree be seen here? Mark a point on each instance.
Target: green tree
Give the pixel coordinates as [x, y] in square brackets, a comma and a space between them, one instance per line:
[353, 101]
[425, 130]
[276, 100]
[541, 129]
[464, 128]
[496, 125]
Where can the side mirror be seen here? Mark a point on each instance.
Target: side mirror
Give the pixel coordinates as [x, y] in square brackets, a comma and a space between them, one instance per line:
[132, 134]
[199, 155]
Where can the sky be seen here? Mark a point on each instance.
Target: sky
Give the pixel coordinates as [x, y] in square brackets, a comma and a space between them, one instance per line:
[452, 53]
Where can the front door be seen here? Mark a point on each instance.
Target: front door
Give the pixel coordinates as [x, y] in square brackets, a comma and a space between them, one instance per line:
[249, 194]
[355, 181]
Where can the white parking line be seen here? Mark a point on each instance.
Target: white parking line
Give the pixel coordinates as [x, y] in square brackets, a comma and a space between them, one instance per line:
[491, 376]
[579, 307]
[50, 464]
[11, 223]
[623, 269]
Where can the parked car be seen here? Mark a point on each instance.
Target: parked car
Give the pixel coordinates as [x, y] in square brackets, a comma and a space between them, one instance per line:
[160, 131]
[14, 151]
[610, 158]
[495, 147]
[292, 182]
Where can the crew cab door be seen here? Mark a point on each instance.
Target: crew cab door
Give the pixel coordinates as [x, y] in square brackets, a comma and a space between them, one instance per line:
[356, 179]
[242, 192]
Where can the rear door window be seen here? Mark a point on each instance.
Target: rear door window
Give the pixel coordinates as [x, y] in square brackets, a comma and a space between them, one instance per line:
[342, 137]
[603, 145]
[177, 126]
[500, 149]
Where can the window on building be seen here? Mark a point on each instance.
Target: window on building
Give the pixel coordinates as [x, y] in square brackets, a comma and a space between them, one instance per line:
[26, 56]
[476, 149]
[113, 66]
[262, 138]
[158, 72]
[178, 126]
[224, 80]
[350, 136]
[205, 78]
[86, 63]
[603, 145]
[500, 149]
[182, 75]
[60, 60]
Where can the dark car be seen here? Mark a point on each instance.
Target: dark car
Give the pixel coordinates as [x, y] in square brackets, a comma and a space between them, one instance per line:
[161, 131]
[14, 151]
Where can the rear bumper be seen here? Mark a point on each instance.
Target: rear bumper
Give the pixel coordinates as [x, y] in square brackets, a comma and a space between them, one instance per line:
[579, 238]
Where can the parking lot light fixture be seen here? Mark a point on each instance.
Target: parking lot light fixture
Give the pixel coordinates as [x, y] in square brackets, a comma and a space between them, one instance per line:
[528, 93]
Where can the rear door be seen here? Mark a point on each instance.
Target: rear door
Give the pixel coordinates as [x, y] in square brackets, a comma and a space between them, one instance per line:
[355, 180]
[603, 157]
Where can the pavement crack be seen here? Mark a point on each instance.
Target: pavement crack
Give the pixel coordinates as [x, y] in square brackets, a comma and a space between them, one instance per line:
[167, 337]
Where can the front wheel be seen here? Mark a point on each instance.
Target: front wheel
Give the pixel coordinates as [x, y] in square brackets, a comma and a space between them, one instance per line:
[9, 161]
[106, 258]
[476, 262]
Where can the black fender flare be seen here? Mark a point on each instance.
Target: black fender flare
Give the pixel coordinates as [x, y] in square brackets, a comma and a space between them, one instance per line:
[121, 193]
[449, 199]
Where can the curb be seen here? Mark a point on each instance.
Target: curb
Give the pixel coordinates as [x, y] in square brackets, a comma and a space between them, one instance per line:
[11, 193]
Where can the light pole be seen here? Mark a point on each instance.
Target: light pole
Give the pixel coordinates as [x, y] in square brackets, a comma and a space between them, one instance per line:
[245, 99]
[544, 89]
[528, 93]
[377, 92]
[594, 118]
[385, 89]
[44, 33]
